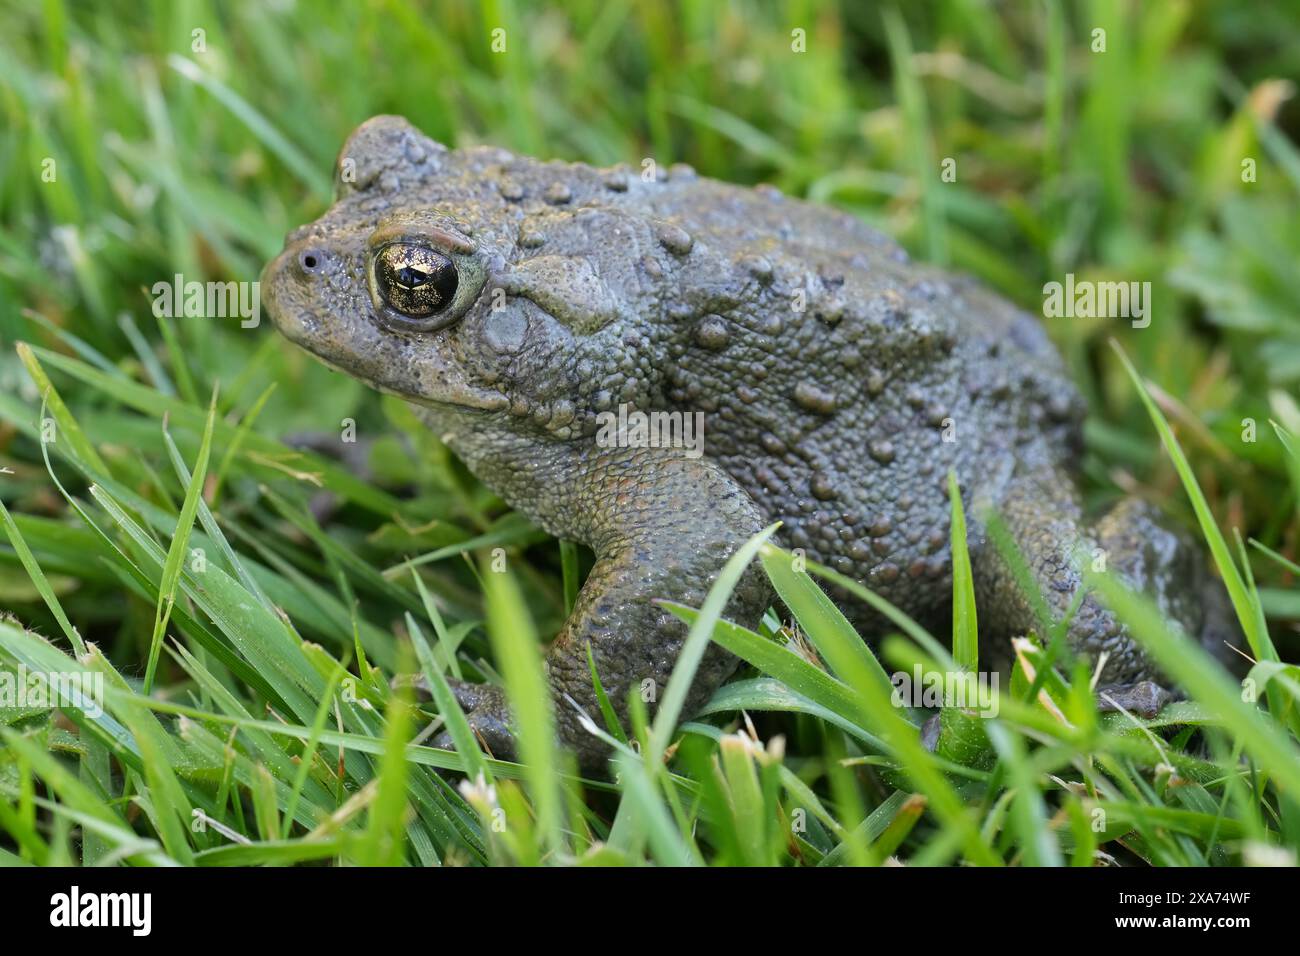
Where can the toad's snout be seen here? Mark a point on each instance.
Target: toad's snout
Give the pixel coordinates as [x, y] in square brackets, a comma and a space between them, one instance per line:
[295, 284]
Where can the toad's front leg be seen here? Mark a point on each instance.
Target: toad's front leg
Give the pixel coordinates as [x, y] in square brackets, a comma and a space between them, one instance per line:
[662, 526]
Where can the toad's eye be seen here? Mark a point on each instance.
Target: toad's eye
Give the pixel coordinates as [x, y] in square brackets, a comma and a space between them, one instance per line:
[415, 280]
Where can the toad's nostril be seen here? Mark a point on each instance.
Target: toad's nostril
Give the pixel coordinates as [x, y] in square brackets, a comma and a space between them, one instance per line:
[310, 260]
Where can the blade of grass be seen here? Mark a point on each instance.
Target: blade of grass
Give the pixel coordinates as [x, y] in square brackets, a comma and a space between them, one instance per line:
[457, 725]
[844, 651]
[177, 553]
[42, 583]
[697, 642]
[54, 402]
[514, 644]
[1193, 669]
[965, 633]
[1247, 613]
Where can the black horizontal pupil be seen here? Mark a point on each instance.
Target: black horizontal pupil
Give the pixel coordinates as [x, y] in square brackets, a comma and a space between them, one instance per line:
[412, 278]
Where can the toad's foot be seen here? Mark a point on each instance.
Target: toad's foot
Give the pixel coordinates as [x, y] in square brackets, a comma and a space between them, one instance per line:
[488, 714]
[1144, 698]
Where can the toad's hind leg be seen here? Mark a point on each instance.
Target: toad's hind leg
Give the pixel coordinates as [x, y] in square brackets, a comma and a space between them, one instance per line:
[1044, 517]
[1171, 568]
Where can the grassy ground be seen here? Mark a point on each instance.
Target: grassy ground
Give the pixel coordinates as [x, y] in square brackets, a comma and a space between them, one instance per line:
[247, 602]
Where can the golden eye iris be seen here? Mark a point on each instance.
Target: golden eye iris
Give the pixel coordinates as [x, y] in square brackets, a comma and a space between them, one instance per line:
[415, 280]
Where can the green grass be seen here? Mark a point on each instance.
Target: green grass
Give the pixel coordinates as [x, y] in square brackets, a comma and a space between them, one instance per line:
[246, 603]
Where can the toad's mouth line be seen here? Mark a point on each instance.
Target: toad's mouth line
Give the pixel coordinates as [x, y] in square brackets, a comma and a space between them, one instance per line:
[462, 397]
